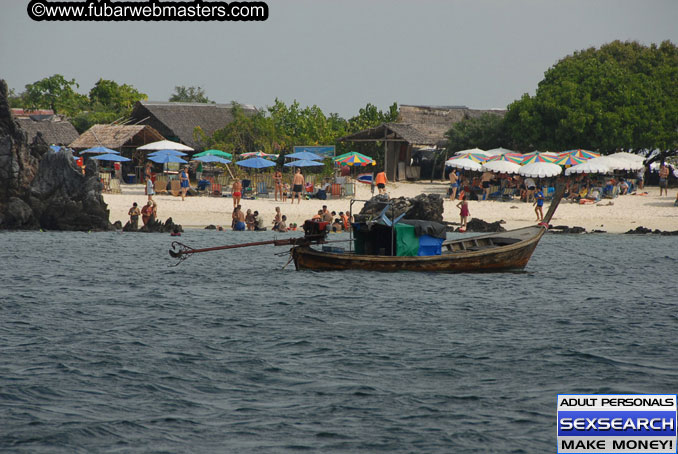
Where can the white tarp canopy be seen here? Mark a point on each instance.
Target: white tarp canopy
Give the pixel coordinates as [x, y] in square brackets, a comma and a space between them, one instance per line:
[164, 145]
[540, 170]
[501, 166]
[498, 151]
[473, 150]
[629, 156]
[594, 165]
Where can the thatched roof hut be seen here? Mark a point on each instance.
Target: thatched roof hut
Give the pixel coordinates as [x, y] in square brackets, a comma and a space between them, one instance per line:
[177, 120]
[117, 137]
[54, 130]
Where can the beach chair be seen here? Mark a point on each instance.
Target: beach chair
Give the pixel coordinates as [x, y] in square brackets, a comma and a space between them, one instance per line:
[262, 190]
[216, 190]
[105, 179]
[507, 194]
[349, 189]
[160, 185]
[246, 188]
[335, 191]
[175, 188]
[115, 186]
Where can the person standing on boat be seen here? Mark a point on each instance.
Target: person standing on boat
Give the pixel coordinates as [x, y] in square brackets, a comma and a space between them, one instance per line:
[538, 204]
[298, 186]
[381, 182]
[464, 212]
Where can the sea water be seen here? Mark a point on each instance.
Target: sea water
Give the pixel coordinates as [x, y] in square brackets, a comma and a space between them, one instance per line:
[106, 348]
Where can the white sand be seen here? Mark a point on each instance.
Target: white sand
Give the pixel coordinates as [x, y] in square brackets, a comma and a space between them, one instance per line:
[626, 212]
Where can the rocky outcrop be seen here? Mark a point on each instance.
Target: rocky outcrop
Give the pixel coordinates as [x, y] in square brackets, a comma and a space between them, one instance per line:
[42, 189]
[566, 229]
[478, 225]
[424, 207]
[155, 226]
[640, 230]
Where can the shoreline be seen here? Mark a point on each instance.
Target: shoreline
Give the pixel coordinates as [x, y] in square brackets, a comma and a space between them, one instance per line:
[617, 215]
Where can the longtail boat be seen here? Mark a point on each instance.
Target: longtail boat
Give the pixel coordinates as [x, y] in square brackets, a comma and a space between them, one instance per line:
[494, 252]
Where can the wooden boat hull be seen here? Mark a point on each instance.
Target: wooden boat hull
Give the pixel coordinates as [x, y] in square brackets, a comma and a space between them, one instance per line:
[490, 259]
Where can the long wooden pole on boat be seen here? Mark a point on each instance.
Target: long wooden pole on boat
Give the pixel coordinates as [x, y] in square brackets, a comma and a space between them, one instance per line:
[555, 201]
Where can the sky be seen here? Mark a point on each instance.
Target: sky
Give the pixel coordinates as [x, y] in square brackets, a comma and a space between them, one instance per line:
[338, 55]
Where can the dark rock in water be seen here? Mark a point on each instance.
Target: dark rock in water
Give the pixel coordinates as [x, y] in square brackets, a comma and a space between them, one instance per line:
[117, 225]
[478, 225]
[667, 233]
[42, 189]
[154, 226]
[424, 207]
[640, 230]
[598, 231]
[566, 229]
[211, 227]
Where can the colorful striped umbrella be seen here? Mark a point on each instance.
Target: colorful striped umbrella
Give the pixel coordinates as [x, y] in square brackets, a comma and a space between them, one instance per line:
[515, 158]
[538, 157]
[354, 159]
[568, 160]
[579, 153]
[475, 157]
[258, 154]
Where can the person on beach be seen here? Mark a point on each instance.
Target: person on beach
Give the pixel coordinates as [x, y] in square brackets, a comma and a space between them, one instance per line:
[464, 213]
[485, 182]
[277, 218]
[381, 182]
[134, 214]
[454, 185]
[640, 178]
[285, 191]
[258, 222]
[183, 177]
[663, 179]
[236, 192]
[249, 220]
[344, 220]
[238, 219]
[297, 186]
[147, 212]
[530, 186]
[277, 180]
[326, 216]
[318, 217]
[538, 204]
[282, 225]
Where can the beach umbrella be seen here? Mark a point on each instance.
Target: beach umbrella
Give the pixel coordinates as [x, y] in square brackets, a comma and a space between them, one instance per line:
[568, 160]
[628, 156]
[166, 159]
[55, 148]
[589, 166]
[540, 170]
[169, 152]
[538, 157]
[618, 164]
[221, 154]
[210, 158]
[354, 159]
[258, 154]
[110, 157]
[515, 158]
[464, 163]
[307, 155]
[303, 163]
[256, 163]
[579, 153]
[164, 145]
[498, 151]
[99, 150]
[500, 166]
[475, 157]
[350, 153]
[472, 150]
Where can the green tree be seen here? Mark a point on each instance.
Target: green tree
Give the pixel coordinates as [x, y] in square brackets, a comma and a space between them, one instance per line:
[189, 94]
[54, 93]
[113, 97]
[621, 96]
[486, 131]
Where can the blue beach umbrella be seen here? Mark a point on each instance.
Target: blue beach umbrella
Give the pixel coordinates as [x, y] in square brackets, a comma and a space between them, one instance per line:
[209, 158]
[256, 163]
[99, 150]
[167, 158]
[55, 148]
[303, 163]
[306, 155]
[111, 157]
[167, 152]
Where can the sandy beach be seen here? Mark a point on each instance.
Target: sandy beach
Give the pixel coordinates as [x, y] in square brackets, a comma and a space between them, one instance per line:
[611, 215]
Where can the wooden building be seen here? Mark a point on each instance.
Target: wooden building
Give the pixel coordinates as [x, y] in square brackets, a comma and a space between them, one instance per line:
[417, 127]
[123, 138]
[54, 129]
[176, 121]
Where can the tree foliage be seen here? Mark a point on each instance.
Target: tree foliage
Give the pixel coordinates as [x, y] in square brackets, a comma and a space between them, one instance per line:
[621, 96]
[189, 94]
[486, 131]
[55, 93]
